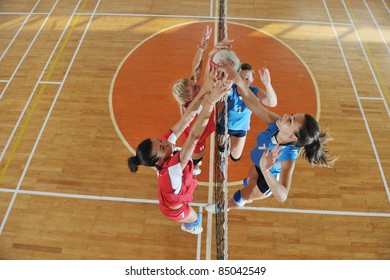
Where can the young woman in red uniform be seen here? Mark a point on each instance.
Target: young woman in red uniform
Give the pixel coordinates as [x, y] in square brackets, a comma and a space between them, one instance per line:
[175, 181]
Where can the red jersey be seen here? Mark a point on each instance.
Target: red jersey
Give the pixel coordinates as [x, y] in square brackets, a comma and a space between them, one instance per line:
[210, 128]
[175, 186]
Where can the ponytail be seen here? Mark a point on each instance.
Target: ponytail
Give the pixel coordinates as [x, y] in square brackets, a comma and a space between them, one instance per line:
[142, 156]
[133, 163]
[180, 91]
[313, 142]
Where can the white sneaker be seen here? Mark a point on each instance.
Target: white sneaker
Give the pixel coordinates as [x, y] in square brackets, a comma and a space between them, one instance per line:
[210, 208]
[196, 171]
[199, 163]
[195, 230]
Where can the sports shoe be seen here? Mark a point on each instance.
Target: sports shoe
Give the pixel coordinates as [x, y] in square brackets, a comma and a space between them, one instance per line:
[195, 230]
[196, 171]
[199, 163]
[210, 208]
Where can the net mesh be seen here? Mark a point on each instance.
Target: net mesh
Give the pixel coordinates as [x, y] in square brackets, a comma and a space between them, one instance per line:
[221, 157]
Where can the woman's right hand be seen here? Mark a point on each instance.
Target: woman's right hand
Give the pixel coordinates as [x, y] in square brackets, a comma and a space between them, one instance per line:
[205, 39]
[265, 76]
[229, 70]
[224, 44]
[221, 87]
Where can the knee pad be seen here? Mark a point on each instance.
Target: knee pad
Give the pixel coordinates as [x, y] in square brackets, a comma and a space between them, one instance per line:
[196, 161]
[238, 199]
[196, 223]
[234, 159]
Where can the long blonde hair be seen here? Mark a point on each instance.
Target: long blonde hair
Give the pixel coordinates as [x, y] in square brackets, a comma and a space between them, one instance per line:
[180, 91]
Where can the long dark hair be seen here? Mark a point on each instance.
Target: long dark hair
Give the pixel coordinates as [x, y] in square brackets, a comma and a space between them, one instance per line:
[143, 156]
[313, 141]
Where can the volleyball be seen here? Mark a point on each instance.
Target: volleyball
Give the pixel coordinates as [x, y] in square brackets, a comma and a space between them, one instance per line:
[227, 56]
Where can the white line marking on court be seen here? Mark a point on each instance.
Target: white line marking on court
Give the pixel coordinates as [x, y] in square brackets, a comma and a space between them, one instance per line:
[28, 50]
[199, 239]
[210, 196]
[360, 104]
[20, 29]
[82, 196]
[377, 26]
[367, 59]
[213, 18]
[197, 204]
[46, 120]
[319, 212]
[371, 98]
[37, 84]
[22, 13]
[4, 81]
[387, 8]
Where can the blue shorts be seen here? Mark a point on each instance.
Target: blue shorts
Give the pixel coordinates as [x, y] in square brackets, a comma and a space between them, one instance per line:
[236, 133]
[262, 184]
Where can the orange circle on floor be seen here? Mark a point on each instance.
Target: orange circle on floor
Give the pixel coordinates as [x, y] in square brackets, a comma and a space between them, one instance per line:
[141, 97]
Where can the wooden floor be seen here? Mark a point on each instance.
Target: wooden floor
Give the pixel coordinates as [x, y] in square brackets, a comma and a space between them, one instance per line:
[65, 188]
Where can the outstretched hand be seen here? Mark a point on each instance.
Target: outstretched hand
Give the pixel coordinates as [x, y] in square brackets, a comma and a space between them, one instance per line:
[211, 76]
[220, 88]
[224, 44]
[269, 157]
[229, 70]
[265, 76]
[206, 37]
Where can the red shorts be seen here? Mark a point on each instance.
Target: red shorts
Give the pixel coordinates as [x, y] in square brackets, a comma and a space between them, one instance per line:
[176, 214]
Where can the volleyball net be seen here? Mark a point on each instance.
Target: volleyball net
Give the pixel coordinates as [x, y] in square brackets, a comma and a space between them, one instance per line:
[221, 156]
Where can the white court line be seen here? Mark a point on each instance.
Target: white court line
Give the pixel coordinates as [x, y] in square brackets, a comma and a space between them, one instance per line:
[210, 196]
[213, 17]
[199, 239]
[38, 83]
[360, 104]
[196, 16]
[4, 81]
[28, 50]
[377, 26]
[21, 13]
[197, 204]
[319, 212]
[371, 98]
[20, 29]
[367, 59]
[387, 8]
[46, 120]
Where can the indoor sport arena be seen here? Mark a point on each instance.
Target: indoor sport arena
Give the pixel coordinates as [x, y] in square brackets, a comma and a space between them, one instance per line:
[82, 83]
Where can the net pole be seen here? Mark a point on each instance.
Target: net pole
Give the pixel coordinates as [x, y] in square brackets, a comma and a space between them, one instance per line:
[221, 158]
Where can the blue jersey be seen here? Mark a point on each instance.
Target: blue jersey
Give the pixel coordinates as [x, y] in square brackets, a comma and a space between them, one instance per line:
[239, 115]
[267, 139]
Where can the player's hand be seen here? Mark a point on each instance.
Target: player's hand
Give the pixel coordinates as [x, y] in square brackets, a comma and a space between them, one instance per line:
[221, 87]
[206, 37]
[269, 157]
[265, 76]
